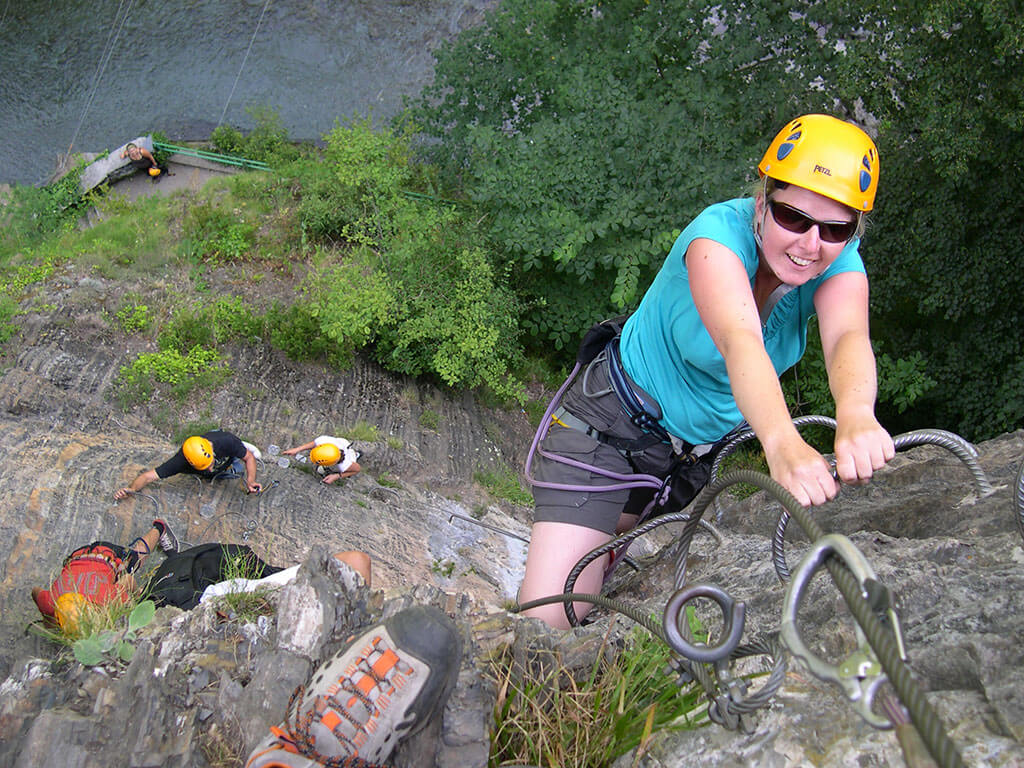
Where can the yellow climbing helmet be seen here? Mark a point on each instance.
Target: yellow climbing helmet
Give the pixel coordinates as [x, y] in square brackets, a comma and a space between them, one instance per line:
[825, 155]
[325, 455]
[198, 452]
[68, 612]
[154, 172]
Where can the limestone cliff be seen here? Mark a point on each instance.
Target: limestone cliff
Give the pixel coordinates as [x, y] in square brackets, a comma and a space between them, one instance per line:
[953, 558]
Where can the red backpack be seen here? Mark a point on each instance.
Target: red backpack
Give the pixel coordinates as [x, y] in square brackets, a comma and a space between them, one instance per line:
[91, 571]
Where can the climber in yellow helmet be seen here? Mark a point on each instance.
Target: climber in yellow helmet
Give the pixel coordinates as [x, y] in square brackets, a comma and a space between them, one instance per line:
[726, 314]
[215, 455]
[334, 456]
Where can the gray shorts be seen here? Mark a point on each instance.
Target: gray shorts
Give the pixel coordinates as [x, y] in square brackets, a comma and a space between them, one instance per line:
[591, 399]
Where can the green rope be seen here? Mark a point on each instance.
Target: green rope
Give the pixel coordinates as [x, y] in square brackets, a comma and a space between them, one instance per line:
[240, 162]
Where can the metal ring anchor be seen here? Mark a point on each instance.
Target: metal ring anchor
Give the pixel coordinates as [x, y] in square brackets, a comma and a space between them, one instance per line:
[733, 615]
[860, 674]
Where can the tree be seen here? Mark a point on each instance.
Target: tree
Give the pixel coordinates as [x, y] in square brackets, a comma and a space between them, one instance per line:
[591, 133]
[946, 79]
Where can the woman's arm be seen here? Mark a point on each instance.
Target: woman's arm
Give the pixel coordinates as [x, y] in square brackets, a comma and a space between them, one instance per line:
[303, 447]
[721, 291]
[861, 444]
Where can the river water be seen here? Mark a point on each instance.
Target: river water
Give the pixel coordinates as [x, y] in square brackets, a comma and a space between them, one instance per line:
[88, 75]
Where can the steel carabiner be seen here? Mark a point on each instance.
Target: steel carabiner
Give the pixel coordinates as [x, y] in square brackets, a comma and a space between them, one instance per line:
[860, 674]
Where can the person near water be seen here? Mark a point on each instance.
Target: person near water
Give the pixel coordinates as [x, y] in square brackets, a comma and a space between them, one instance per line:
[143, 159]
[215, 455]
[334, 456]
[725, 316]
[98, 573]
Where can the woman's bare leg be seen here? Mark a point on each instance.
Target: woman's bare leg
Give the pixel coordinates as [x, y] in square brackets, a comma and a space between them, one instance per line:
[554, 549]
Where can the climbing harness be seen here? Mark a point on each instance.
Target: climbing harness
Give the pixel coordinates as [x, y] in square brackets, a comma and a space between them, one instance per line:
[880, 656]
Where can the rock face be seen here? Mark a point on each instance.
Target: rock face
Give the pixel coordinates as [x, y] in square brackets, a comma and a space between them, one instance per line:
[200, 691]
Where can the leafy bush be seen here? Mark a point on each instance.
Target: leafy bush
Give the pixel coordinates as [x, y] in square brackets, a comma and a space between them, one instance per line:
[213, 233]
[209, 324]
[296, 331]
[33, 213]
[134, 318]
[183, 373]
[414, 287]
[267, 142]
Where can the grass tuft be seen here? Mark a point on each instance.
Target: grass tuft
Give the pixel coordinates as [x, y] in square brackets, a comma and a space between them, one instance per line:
[556, 718]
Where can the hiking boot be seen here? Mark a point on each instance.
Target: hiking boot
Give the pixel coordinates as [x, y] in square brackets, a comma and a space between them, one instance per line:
[383, 686]
[168, 542]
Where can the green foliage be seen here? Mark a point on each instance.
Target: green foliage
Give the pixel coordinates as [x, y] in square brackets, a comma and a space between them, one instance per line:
[161, 155]
[361, 430]
[228, 140]
[8, 310]
[107, 634]
[134, 318]
[244, 606]
[197, 368]
[944, 274]
[209, 324]
[268, 140]
[33, 214]
[503, 483]
[213, 233]
[590, 134]
[414, 287]
[443, 568]
[901, 382]
[546, 715]
[565, 123]
[429, 419]
[296, 331]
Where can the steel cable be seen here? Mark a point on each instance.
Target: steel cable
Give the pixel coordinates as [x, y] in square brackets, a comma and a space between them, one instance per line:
[959, 447]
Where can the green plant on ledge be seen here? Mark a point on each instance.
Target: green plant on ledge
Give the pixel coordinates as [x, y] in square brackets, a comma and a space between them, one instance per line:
[112, 644]
[105, 633]
[503, 483]
[556, 717]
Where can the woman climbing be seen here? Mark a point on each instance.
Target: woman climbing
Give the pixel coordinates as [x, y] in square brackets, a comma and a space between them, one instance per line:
[726, 315]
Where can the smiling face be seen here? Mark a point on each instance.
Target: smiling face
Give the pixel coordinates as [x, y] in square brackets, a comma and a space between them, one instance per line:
[794, 258]
[134, 153]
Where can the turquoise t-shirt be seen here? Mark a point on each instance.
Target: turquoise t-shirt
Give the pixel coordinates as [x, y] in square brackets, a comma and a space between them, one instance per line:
[668, 351]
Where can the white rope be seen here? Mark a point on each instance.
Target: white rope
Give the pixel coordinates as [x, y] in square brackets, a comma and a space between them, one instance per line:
[108, 51]
[244, 59]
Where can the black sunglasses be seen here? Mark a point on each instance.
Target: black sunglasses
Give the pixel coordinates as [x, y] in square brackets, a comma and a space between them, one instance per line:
[795, 220]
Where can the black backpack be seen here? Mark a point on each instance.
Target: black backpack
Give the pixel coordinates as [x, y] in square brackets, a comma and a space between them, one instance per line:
[182, 577]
